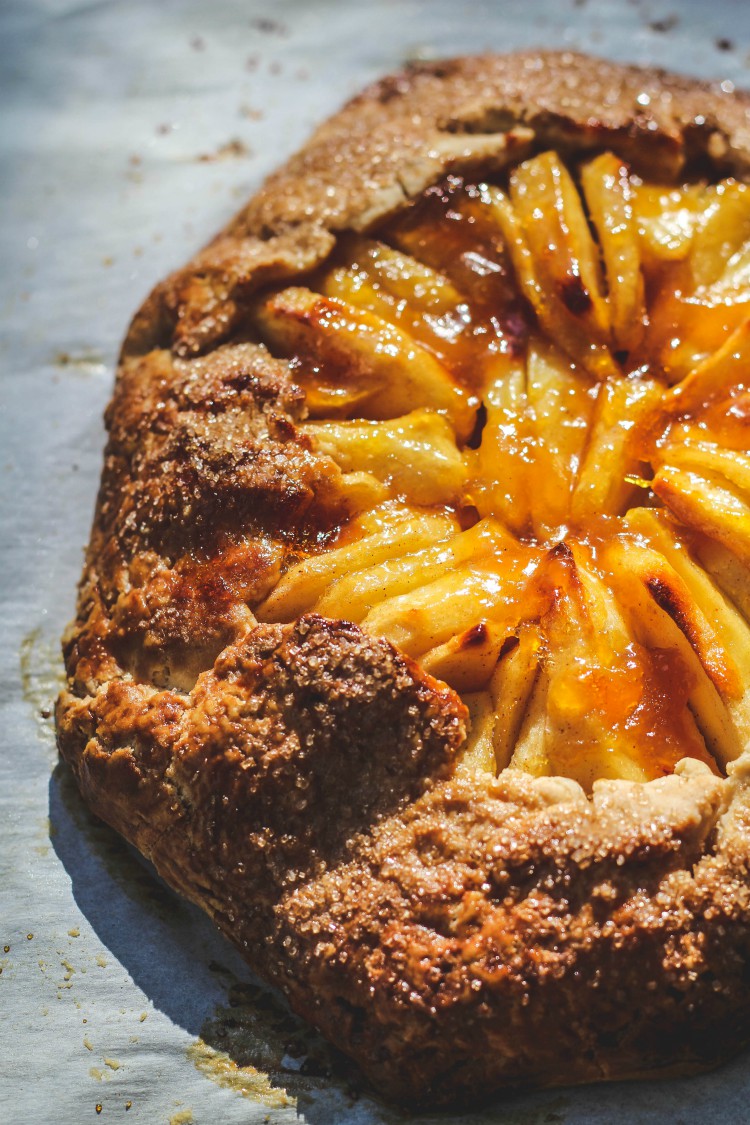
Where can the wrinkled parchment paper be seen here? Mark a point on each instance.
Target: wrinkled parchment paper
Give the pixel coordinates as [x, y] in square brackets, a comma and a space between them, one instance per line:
[129, 133]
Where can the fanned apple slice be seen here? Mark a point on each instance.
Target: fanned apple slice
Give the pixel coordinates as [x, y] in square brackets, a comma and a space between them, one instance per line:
[500, 467]
[707, 503]
[710, 298]
[416, 454]
[708, 455]
[614, 707]
[727, 571]
[356, 593]
[686, 329]
[595, 678]
[376, 519]
[477, 753]
[613, 454]
[454, 231]
[715, 392]
[404, 291]
[556, 260]
[666, 219]
[733, 285]
[609, 197]
[499, 590]
[513, 681]
[362, 491]
[674, 598]
[561, 401]
[531, 752]
[729, 625]
[664, 617]
[467, 661]
[302, 585]
[708, 489]
[351, 361]
[547, 203]
[721, 234]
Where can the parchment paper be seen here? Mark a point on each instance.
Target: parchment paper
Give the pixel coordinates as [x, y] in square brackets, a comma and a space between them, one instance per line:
[129, 132]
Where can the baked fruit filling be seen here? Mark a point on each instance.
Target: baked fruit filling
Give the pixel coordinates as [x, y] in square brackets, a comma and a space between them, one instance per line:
[539, 396]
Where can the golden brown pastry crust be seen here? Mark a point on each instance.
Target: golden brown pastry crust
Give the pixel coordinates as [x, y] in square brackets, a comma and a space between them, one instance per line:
[454, 935]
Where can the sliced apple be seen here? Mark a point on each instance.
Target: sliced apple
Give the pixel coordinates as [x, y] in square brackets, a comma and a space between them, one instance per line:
[710, 298]
[561, 402]
[708, 489]
[708, 455]
[477, 753]
[403, 291]
[453, 230]
[729, 626]
[557, 261]
[595, 685]
[531, 751]
[356, 593]
[415, 454]
[304, 584]
[613, 455]
[667, 219]
[352, 362]
[376, 519]
[362, 491]
[664, 617]
[497, 590]
[721, 234]
[499, 468]
[717, 379]
[687, 328]
[609, 196]
[511, 687]
[467, 661]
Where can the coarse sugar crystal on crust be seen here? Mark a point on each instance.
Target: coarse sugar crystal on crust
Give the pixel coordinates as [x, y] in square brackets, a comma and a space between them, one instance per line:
[455, 934]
